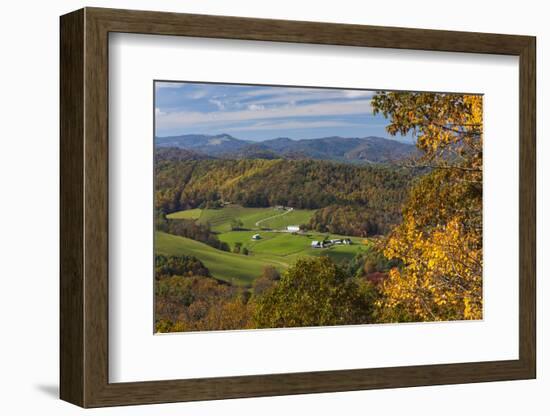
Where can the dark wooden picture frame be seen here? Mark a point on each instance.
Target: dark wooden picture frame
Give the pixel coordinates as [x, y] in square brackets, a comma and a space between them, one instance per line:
[84, 207]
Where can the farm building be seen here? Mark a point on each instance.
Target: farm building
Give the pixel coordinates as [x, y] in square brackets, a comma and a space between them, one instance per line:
[293, 228]
[338, 241]
[256, 237]
[329, 243]
[320, 244]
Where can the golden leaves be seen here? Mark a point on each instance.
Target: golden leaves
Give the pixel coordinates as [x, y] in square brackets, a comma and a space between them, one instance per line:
[439, 242]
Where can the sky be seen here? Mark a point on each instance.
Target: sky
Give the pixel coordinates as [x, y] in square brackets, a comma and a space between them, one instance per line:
[257, 113]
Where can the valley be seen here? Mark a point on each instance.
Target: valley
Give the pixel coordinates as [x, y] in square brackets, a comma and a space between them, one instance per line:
[239, 216]
[327, 207]
[267, 244]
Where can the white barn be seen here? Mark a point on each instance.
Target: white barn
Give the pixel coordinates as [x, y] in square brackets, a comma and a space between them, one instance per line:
[293, 228]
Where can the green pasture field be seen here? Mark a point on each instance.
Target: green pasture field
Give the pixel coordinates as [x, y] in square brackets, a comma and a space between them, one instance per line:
[252, 218]
[234, 268]
[273, 248]
[189, 214]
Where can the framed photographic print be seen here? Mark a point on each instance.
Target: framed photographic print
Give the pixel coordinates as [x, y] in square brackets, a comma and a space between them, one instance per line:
[256, 207]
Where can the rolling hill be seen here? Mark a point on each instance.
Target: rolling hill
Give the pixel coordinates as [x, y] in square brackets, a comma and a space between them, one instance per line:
[216, 145]
[343, 149]
[234, 268]
[276, 249]
[219, 220]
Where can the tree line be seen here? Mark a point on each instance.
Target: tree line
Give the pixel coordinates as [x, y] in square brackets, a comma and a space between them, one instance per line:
[190, 229]
[371, 195]
[354, 220]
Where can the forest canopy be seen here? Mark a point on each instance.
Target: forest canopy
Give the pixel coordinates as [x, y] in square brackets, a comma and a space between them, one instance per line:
[439, 241]
[371, 195]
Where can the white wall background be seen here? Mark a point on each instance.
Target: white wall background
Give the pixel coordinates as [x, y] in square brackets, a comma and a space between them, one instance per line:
[29, 211]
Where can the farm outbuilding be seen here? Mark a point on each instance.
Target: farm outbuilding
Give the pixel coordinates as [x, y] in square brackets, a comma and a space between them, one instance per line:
[319, 244]
[293, 228]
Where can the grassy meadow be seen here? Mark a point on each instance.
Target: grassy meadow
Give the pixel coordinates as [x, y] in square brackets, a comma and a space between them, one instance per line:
[275, 247]
[251, 218]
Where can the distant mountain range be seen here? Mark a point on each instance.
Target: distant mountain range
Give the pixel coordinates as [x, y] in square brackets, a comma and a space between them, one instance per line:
[345, 149]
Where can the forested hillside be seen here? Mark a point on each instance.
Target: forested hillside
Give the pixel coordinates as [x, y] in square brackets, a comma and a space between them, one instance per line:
[372, 195]
[370, 149]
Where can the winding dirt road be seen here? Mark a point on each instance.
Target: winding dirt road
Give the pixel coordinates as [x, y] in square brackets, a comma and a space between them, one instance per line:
[274, 216]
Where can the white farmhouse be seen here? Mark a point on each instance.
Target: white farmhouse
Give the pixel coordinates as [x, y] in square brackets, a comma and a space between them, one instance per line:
[256, 237]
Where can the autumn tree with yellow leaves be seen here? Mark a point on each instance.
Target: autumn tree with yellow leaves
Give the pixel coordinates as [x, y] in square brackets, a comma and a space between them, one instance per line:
[439, 242]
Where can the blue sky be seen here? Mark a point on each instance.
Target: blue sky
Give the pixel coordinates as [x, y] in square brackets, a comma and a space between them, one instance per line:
[259, 112]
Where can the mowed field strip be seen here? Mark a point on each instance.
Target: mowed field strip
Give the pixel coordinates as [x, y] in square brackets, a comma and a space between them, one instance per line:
[220, 219]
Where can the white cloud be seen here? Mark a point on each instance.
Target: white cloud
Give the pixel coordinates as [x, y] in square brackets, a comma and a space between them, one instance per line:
[217, 103]
[162, 84]
[198, 94]
[294, 95]
[357, 93]
[328, 108]
[293, 98]
[274, 96]
[256, 107]
[276, 91]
